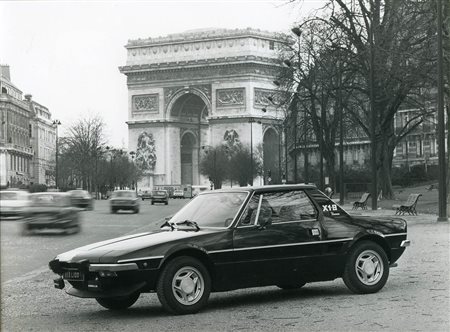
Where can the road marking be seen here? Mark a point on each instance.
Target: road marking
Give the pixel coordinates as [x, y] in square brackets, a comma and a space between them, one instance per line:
[27, 276]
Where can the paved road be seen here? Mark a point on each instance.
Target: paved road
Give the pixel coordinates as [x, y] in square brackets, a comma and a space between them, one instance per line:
[415, 298]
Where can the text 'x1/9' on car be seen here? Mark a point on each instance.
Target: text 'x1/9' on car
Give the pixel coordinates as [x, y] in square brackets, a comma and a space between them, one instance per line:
[286, 235]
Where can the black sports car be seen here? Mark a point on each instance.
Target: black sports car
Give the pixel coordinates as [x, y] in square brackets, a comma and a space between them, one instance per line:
[284, 235]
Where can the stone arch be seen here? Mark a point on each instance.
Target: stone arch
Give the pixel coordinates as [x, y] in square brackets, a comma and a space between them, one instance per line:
[189, 158]
[180, 97]
[271, 155]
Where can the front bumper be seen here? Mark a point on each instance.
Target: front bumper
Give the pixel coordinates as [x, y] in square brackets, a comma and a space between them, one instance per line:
[123, 279]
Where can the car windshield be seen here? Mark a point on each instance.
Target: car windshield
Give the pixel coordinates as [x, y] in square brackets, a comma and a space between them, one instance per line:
[9, 196]
[159, 193]
[122, 194]
[49, 200]
[211, 210]
[79, 193]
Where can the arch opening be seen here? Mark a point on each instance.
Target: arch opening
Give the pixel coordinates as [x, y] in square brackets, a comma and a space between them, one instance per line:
[272, 157]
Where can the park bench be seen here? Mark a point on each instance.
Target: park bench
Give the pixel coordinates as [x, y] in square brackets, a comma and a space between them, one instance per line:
[409, 206]
[362, 203]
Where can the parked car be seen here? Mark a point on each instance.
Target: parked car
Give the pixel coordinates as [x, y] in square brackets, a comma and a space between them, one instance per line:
[51, 210]
[124, 200]
[160, 196]
[13, 203]
[283, 235]
[82, 199]
[178, 194]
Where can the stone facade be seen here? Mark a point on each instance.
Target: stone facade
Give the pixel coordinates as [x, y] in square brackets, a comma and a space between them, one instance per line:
[191, 90]
[27, 138]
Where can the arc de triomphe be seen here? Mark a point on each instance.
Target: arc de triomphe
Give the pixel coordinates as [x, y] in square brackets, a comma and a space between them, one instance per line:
[198, 89]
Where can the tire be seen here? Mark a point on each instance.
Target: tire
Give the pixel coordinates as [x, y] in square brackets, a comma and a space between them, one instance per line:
[136, 210]
[153, 203]
[119, 302]
[367, 268]
[113, 210]
[25, 230]
[183, 286]
[166, 203]
[291, 286]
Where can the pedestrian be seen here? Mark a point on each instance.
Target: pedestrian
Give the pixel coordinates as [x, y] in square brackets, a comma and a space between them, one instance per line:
[328, 191]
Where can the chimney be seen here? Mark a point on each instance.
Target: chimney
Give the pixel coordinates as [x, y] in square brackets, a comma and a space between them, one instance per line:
[28, 97]
[4, 72]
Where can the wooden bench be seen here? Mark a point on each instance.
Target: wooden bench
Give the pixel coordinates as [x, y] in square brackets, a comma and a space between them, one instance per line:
[409, 206]
[362, 203]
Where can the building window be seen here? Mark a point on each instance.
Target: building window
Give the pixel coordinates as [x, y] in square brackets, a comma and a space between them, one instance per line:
[4, 90]
[29, 130]
[271, 45]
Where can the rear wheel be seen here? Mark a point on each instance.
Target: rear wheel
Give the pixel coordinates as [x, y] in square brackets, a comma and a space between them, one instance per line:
[118, 302]
[184, 285]
[367, 268]
[113, 210]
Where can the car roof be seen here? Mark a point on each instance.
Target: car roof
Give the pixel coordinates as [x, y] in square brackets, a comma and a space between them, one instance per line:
[273, 187]
[53, 193]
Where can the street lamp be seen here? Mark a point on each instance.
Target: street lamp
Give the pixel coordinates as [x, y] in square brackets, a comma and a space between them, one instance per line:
[133, 154]
[56, 123]
[443, 167]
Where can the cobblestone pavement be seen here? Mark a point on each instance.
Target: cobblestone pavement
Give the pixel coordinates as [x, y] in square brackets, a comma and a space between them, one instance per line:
[415, 298]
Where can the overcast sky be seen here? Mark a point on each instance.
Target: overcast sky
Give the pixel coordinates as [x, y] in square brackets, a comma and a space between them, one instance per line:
[67, 53]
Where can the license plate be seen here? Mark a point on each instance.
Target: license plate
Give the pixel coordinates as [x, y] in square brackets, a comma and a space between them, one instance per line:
[73, 275]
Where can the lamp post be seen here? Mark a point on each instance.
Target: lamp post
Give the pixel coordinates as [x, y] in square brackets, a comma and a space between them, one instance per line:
[133, 154]
[56, 123]
[441, 122]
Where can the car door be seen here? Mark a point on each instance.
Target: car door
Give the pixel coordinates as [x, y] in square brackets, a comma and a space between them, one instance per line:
[276, 237]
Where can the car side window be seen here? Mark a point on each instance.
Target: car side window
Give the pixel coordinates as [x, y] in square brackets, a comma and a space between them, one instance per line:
[290, 206]
[249, 215]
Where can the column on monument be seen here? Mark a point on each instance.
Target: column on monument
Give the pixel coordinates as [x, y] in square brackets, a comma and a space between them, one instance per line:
[172, 155]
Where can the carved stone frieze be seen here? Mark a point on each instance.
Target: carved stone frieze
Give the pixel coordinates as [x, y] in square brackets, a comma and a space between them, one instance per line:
[145, 103]
[146, 152]
[207, 72]
[230, 97]
[261, 97]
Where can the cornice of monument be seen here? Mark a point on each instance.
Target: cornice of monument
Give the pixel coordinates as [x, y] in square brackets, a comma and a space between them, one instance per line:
[205, 35]
[224, 61]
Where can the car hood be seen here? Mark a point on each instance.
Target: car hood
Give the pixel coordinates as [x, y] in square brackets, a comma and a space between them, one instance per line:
[385, 225]
[136, 245]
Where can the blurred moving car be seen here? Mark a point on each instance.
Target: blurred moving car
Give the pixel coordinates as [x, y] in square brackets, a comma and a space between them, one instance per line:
[146, 194]
[178, 194]
[13, 202]
[51, 210]
[124, 200]
[160, 196]
[82, 199]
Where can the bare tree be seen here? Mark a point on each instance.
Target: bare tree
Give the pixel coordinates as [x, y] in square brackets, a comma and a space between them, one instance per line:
[80, 152]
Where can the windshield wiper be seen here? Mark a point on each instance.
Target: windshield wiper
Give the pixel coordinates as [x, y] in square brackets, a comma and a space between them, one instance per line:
[169, 224]
[189, 223]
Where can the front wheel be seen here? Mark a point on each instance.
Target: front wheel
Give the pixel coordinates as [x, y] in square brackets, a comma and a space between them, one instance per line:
[367, 268]
[184, 285]
[291, 286]
[118, 302]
